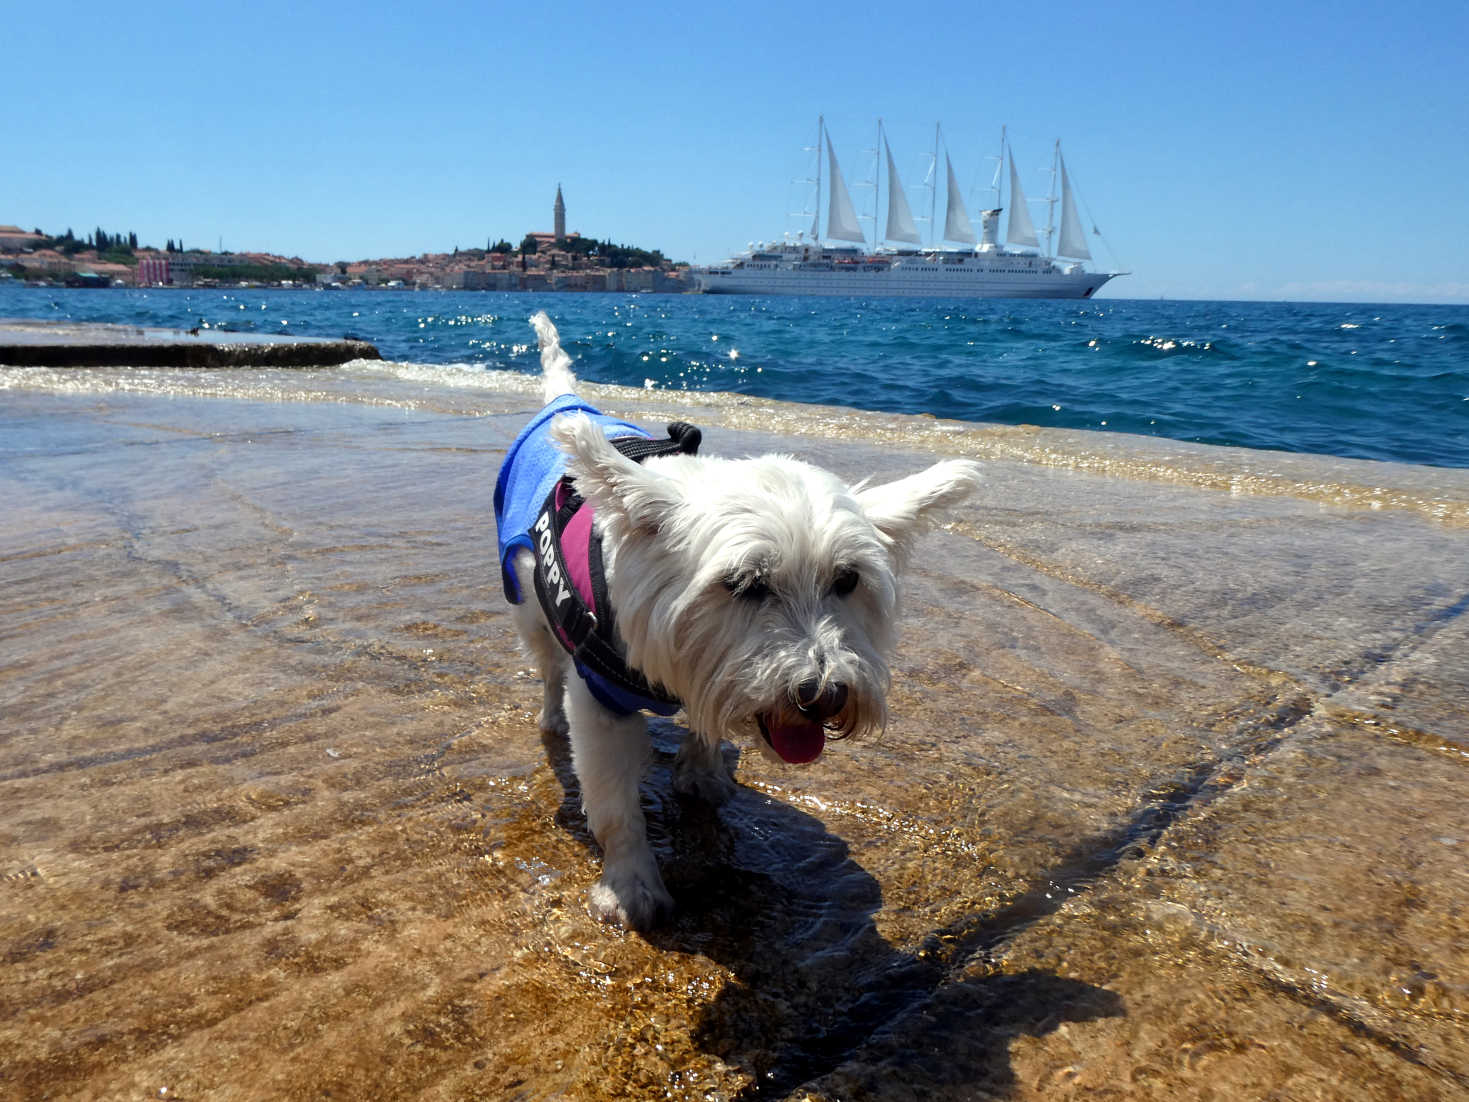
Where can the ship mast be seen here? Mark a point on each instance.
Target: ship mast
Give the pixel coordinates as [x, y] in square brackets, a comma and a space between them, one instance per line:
[997, 184]
[933, 186]
[877, 234]
[1051, 199]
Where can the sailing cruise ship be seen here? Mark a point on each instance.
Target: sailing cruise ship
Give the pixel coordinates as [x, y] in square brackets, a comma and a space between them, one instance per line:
[808, 265]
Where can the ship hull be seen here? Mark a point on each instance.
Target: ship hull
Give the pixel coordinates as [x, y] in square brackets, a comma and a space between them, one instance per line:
[859, 283]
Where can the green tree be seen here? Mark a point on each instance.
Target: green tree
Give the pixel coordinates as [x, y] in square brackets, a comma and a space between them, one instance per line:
[528, 245]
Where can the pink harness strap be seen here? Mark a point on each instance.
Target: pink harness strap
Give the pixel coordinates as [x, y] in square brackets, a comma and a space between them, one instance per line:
[576, 539]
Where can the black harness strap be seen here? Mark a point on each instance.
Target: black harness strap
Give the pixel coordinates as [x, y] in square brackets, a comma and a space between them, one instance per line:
[588, 635]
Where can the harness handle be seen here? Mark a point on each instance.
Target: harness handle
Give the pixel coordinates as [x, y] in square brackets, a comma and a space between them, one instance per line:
[683, 439]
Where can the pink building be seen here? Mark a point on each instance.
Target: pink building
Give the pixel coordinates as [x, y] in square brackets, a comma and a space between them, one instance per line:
[153, 270]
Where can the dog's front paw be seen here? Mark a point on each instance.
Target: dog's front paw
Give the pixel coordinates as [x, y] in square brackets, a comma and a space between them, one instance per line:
[713, 786]
[553, 723]
[631, 898]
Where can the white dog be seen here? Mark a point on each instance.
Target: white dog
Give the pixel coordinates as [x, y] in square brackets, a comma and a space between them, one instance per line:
[760, 595]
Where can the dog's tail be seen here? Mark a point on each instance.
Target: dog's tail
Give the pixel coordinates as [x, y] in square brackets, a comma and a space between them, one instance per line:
[556, 375]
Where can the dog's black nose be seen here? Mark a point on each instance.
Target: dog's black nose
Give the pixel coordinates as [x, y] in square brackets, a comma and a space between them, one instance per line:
[820, 703]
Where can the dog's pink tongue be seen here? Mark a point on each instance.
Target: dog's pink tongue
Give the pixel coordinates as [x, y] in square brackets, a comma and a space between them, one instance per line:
[797, 742]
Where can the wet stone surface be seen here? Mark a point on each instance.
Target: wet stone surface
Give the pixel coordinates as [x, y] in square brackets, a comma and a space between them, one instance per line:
[1170, 807]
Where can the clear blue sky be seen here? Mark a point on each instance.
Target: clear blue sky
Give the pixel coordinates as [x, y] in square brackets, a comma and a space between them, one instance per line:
[1226, 150]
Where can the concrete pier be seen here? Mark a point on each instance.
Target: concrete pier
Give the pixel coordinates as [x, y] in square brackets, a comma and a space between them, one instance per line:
[28, 342]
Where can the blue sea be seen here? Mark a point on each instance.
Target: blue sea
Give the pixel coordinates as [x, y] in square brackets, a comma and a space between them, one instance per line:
[1386, 382]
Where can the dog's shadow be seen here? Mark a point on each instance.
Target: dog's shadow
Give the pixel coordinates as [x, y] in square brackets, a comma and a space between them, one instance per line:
[765, 890]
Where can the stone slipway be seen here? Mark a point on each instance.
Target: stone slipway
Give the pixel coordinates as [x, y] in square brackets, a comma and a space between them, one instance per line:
[27, 342]
[1171, 805]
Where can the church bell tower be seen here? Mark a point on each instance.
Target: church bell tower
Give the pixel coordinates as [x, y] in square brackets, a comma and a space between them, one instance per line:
[560, 212]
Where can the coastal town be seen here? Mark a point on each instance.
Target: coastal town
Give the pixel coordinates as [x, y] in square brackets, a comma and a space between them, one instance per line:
[554, 260]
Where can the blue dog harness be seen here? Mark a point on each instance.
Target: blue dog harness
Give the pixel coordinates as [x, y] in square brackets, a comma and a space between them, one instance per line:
[537, 507]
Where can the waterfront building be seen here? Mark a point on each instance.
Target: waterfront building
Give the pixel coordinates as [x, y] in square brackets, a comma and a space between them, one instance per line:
[153, 271]
[472, 279]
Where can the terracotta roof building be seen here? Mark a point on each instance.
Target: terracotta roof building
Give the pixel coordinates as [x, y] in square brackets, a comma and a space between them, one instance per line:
[13, 239]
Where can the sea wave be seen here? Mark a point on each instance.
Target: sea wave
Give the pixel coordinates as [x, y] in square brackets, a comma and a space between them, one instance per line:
[471, 390]
[1379, 382]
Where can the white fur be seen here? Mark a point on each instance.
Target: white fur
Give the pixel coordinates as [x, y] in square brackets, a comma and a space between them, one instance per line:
[675, 530]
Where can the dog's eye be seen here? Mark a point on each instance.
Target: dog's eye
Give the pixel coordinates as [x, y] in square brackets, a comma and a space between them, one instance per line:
[846, 581]
[747, 588]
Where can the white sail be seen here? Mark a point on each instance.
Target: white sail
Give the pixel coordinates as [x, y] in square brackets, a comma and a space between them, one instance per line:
[957, 226]
[1073, 237]
[983, 269]
[1022, 229]
[900, 217]
[841, 218]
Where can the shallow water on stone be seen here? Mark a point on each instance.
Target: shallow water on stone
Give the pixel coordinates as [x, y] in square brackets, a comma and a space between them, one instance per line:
[1170, 805]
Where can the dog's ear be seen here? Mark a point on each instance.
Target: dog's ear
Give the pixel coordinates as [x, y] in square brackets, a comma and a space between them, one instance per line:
[609, 479]
[901, 510]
